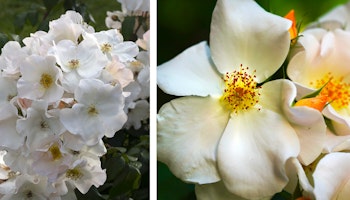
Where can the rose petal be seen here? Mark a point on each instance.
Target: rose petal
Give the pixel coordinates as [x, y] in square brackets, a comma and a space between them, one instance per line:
[187, 137]
[190, 73]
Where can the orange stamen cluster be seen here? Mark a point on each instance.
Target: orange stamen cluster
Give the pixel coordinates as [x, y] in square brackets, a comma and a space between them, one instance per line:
[335, 89]
[241, 91]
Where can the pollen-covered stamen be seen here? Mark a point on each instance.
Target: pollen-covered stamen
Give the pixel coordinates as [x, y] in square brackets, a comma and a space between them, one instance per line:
[73, 64]
[46, 81]
[55, 152]
[241, 91]
[74, 174]
[106, 48]
[337, 91]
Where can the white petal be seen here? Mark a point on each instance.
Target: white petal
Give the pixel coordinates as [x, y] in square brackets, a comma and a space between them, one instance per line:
[189, 129]
[243, 33]
[215, 191]
[331, 177]
[308, 123]
[190, 73]
[253, 151]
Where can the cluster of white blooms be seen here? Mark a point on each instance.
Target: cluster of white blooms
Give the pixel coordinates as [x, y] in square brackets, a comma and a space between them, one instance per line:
[137, 105]
[61, 93]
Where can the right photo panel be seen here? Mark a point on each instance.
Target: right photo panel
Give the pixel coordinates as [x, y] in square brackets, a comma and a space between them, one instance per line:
[253, 100]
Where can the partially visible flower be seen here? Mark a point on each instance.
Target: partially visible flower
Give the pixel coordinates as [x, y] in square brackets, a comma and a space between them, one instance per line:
[135, 5]
[323, 63]
[12, 56]
[114, 19]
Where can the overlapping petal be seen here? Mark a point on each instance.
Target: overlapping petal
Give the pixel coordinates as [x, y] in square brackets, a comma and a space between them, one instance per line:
[255, 146]
[215, 191]
[189, 130]
[243, 33]
[331, 177]
[190, 73]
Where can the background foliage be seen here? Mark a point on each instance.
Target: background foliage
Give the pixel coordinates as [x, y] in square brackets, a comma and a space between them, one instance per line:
[127, 159]
[183, 23]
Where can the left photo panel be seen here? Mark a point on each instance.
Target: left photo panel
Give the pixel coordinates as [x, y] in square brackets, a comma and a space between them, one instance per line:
[74, 99]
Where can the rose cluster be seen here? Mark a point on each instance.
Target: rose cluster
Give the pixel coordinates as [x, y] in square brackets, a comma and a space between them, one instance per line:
[62, 91]
[263, 108]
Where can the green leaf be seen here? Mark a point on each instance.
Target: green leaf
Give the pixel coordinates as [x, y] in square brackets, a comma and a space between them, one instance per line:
[128, 29]
[93, 193]
[49, 4]
[130, 181]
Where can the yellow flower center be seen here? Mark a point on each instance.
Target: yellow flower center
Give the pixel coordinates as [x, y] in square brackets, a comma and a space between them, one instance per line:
[46, 81]
[92, 110]
[106, 48]
[241, 91]
[55, 152]
[337, 91]
[73, 64]
[74, 174]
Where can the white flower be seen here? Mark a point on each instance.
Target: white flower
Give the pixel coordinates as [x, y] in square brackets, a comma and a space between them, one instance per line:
[11, 58]
[227, 127]
[83, 174]
[111, 43]
[114, 19]
[117, 72]
[69, 26]
[40, 79]
[99, 111]
[39, 126]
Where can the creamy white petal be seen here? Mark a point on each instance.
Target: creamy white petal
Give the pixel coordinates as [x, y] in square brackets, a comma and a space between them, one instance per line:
[243, 33]
[307, 122]
[215, 191]
[190, 73]
[189, 129]
[255, 147]
[331, 177]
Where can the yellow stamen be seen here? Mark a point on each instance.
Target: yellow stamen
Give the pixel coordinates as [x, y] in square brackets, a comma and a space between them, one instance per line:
[106, 48]
[73, 64]
[337, 91]
[46, 81]
[55, 152]
[241, 91]
[92, 110]
[74, 174]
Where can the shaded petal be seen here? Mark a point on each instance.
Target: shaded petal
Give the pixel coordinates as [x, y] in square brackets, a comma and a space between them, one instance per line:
[243, 33]
[190, 73]
[189, 129]
[331, 177]
[215, 191]
[307, 122]
[253, 151]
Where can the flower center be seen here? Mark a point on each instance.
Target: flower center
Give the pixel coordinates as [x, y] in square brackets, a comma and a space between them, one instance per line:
[55, 152]
[336, 90]
[92, 110]
[241, 91]
[74, 174]
[73, 64]
[46, 80]
[106, 48]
